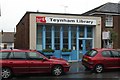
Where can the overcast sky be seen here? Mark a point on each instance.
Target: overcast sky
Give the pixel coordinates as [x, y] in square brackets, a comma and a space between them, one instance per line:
[13, 10]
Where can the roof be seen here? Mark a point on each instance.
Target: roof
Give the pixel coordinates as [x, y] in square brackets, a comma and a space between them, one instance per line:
[99, 49]
[8, 37]
[113, 8]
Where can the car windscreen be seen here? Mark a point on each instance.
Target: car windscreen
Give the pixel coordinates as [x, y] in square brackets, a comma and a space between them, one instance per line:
[91, 53]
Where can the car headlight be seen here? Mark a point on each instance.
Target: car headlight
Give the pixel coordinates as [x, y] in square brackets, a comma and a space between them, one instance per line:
[68, 64]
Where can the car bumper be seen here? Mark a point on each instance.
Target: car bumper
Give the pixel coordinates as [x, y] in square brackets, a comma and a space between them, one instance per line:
[66, 69]
[86, 64]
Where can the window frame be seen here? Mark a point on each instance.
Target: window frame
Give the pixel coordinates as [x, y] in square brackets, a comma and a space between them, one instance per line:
[109, 21]
[6, 56]
[13, 53]
[106, 56]
[28, 57]
[116, 56]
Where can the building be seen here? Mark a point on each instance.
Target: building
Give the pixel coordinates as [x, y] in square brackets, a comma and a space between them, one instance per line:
[40, 30]
[6, 40]
[110, 17]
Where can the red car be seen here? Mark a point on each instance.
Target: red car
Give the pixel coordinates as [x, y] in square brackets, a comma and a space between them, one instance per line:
[100, 59]
[30, 61]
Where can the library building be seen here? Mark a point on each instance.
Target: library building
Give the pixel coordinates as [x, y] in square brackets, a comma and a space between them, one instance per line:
[67, 36]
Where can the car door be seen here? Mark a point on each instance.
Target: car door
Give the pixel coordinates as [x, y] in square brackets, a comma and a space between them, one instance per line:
[18, 63]
[116, 59]
[37, 63]
[107, 59]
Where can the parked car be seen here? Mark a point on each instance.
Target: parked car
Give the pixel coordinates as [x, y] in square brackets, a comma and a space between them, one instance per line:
[30, 61]
[100, 59]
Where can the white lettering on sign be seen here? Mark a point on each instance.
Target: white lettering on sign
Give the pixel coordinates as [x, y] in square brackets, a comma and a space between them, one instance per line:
[65, 20]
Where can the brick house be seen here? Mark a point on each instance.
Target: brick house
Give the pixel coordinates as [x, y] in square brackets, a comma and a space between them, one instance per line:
[110, 15]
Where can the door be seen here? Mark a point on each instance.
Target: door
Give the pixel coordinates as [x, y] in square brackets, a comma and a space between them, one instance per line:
[116, 62]
[88, 45]
[80, 49]
[37, 64]
[84, 46]
[107, 59]
[17, 60]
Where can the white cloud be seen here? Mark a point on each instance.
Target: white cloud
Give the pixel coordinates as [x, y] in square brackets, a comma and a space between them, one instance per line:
[13, 10]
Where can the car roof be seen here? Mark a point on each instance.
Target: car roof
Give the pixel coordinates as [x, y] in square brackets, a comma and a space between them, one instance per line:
[102, 49]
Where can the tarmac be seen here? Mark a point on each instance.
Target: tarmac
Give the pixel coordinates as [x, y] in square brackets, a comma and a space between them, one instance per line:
[76, 67]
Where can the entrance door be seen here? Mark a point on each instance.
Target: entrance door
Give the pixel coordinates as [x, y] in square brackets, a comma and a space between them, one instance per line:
[88, 45]
[80, 49]
[84, 46]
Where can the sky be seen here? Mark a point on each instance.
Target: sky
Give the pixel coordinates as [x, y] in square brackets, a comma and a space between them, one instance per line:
[13, 10]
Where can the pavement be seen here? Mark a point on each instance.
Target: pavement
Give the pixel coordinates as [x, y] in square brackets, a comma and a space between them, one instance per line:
[76, 67]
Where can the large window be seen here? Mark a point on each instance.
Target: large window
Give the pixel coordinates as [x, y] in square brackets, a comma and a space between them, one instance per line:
[48, 36]
[89, 32]
[81, 30]
[109, 21]
[57, 37]
[39, 36]
[65, 37]
[73, 33]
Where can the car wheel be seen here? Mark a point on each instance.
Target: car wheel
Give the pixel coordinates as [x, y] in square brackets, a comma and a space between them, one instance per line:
[6, 73]
[98, 68]
[57, 70]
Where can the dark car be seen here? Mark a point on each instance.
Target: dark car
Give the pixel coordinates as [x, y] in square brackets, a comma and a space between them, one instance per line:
[100, 59]
[30, 61]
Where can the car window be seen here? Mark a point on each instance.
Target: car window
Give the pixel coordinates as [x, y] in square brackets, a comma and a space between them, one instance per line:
[119, 53]
[115, 53]
[91, 53]
[106, 54]
[17, 55]
[3, 55]
[34, 56]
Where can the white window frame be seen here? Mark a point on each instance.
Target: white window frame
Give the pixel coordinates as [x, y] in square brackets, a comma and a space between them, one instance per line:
[109, 21]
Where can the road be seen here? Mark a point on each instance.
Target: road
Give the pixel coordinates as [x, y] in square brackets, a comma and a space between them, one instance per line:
[107, 75]
[76, 72]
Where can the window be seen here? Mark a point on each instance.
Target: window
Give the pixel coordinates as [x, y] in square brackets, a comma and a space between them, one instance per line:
[106, 54]
[39, 36]
[17, 55]
[34, 56]
[57, 37]
[48, 36]
[5, 46]
[119, 54]
[91, 53]
[109, 21]
[3, 55]
[89, 32]
[65, 37]
[115, 53]
[81, 30]
[88, 44]
[73, 34]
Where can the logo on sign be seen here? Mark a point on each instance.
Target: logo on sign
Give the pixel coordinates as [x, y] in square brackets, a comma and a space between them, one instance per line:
[40, 19]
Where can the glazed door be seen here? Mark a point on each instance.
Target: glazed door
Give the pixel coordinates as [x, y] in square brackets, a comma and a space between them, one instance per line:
[84, 46]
